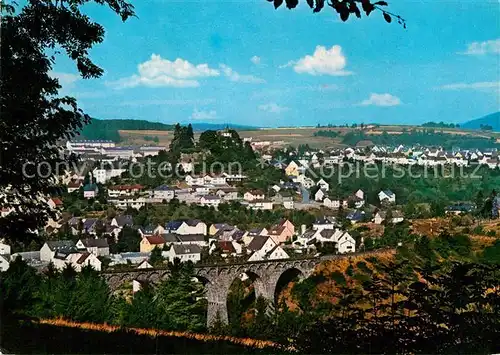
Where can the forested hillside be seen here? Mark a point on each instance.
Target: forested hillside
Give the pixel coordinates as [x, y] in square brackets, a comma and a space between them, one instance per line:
[108, 129]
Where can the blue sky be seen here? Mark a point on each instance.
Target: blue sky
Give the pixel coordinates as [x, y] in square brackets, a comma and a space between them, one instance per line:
[244, 62]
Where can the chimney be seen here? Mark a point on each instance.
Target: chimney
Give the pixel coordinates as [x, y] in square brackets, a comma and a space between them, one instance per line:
[302, 229]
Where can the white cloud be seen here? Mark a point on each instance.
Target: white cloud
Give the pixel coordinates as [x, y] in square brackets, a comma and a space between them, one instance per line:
[66, 80]
[240, 78]
[381, 100]
[273, 107]
[203, 115]
[322, 62]
[485, 47]
[158, 72]
[486, 85]
[255, 60]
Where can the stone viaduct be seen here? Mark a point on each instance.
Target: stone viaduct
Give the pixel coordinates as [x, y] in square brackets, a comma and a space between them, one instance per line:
[218, 279]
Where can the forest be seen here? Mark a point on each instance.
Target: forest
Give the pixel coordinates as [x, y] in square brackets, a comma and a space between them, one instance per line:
[108, 129]
[426, 137]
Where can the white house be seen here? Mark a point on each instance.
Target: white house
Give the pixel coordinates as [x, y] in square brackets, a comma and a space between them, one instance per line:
[334, 203]
[190, 226]
[326, 222]
[253, 195]
[320, 195]
[164, 192]
[103, 175]
[288, 203]
[305, 181]
[323, 185]
[98, 247]
[90, 191]
[144, 265]
[360, 194]
[4, 249]
[261, 205]
[4, 262]
[387, 195]
[76, 260]
[184, 253]
[260, 246]
[49, 248]
[346, 244]
[210, 201]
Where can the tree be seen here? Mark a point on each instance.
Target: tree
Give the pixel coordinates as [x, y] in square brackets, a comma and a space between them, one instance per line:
[345, 8]
[156, 259]
[33, 117]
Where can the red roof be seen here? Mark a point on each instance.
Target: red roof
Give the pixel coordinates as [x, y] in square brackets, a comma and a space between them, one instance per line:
[74, 184]
[155, 239]
[227, 246]
[57, 201]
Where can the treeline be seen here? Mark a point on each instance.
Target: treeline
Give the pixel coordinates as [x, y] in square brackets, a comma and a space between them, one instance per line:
[108, 129]
[176, 304]
[425, 138]
[441, 124]
[327, 133]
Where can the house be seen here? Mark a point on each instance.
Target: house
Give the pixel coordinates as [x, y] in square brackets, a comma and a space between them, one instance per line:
[263, 205]
[323, 185]
[190, 226]
[144, 265]
[184, 253]
[4, 262]
[98, 247]
[320, 195]
[216, 227]
[356, 216]
[54, 203]
[227, 193]
[346, 244]
[90, 191]
[77, 260]
[326, 222]
[334, 203]
[164, 192]
[387, 195]
[134, 258]
[227, 248]
[49, 248]
[253, 195]
[4, 249]
[458, 208]
[292, 169]
[150, 242]
[210, 201]
[288, 203]
[305, 181]
[73, 186]
[356, 201]
[122, 221]
[381, 216]
[124, 190]
[282, 232]
[146, 231]
[198, 239]
[248, 237]
[260, 246]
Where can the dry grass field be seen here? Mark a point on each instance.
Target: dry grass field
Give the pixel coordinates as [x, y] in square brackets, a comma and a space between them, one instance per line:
[294, 135]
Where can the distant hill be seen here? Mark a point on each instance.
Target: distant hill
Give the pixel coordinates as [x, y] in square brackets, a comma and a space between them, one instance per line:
[108, 129]
[492, 120]
[202, 126]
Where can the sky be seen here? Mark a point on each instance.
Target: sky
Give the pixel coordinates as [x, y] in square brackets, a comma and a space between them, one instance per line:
[243, 62]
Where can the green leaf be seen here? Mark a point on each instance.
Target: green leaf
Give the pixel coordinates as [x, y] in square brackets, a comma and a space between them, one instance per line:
[387, 17]
[291, 4]
[277, 3]
[381, 3]
[310, 3]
